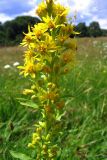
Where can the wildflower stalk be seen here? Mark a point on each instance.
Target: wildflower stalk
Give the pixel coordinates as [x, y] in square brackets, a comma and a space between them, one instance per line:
[50, 55]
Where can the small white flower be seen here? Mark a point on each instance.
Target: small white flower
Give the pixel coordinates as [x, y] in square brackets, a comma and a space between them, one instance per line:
[7, 66]
[16, 64]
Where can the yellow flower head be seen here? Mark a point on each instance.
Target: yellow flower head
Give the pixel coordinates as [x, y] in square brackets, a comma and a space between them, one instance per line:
[29, 55]
[68, 56]
[47, 69]
[61, 38]
[49, 21]
[42, 48]
[31, 68]
[60, 12]
[52, 96]
[46, 46]
[28, 69]
[71, 44]
[67, 29]
[27, 39]
[42, 10]
[39, 29]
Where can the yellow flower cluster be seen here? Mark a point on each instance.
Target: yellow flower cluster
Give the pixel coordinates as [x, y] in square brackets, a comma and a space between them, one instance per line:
[50, 53]
[52, 9]
[48, 40]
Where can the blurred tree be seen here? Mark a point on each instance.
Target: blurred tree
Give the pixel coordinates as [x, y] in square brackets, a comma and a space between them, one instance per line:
[82, 28]
[104, 32]
[2, 35]
[94, 29]
[13, 30]
[1, 27]
[24, 21]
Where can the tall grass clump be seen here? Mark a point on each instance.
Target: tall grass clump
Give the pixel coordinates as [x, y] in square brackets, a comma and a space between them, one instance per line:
[50, 55]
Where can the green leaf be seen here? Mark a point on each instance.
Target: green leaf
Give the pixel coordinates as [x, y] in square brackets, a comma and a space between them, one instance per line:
[59, 116]
[28, 103]
[20, 156]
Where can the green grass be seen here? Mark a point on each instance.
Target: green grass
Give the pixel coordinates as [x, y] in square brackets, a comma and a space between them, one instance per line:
[84, 125]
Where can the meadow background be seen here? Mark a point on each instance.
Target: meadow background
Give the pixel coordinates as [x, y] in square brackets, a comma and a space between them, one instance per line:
[85, 122]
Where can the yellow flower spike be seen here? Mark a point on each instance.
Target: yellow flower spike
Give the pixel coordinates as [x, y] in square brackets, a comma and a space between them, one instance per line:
[50, 54]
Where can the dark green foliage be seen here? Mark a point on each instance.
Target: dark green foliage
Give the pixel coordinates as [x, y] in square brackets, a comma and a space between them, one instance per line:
[94, 29]
[104, 32]
[82, 28]
[11, 32]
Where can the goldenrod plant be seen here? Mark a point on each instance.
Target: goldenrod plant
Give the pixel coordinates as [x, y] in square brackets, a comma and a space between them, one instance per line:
[50, 54]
